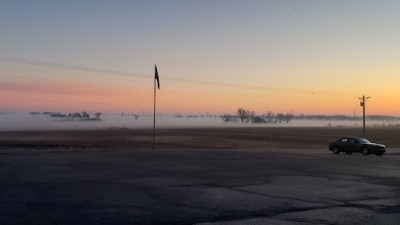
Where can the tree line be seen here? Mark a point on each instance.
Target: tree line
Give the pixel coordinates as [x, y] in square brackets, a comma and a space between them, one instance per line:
[247, 116]
[344, 117]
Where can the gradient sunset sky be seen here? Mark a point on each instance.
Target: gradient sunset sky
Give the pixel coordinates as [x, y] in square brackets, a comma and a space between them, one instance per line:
[300, 56]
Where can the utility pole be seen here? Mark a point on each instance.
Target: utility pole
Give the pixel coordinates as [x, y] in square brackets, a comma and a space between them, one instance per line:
[362, 103]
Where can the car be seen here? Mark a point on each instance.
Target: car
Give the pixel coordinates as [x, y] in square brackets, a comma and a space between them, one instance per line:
[356, 144]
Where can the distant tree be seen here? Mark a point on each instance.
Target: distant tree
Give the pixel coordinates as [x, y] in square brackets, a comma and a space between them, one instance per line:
[269, 117]
[279, 117]
[242, 114]
[227, 117]
[245, 115]
[288, 117]
[250, 116]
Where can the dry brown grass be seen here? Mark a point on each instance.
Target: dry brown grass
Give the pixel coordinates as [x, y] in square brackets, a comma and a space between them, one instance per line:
[196, 138]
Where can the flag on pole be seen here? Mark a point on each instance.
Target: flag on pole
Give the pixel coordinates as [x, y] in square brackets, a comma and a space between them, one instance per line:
[156, 77]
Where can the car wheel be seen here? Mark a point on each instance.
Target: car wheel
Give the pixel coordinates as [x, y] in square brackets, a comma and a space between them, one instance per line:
[365, 151]
[335, 150]
[348, 153]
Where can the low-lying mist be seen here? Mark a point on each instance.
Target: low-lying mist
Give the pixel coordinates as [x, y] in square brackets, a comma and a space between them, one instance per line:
[25, 121]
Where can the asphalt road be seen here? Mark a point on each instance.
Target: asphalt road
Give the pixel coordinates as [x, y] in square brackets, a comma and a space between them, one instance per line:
[198, 187]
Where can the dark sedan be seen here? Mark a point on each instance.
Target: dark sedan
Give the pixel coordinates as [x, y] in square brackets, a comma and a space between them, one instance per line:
[356, 144]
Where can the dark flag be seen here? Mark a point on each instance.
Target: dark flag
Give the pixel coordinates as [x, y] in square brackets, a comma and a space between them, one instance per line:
[156, 77]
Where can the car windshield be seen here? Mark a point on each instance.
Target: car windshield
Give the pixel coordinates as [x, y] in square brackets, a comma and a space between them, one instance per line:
[363, 141]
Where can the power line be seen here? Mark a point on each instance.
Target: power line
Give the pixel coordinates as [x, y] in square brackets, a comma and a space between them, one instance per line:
[70, 67]
[172, 79]
[69, 81]
[128, 87]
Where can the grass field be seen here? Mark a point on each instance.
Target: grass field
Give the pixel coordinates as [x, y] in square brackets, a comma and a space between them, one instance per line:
[196, 138]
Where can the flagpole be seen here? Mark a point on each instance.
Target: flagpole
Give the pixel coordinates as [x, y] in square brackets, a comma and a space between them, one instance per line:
[154, 115]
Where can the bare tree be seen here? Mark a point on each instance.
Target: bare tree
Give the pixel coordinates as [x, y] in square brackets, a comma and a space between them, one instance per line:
[269, 117]
[227, 117]
[245, 115]
[242, 114]
[279, 117]
[288, 117]
[250, 116]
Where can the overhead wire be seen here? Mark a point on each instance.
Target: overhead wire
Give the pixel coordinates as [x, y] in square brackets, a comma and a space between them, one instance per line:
[70, 67]
[175, 79]
[123, 86]
[68, 81]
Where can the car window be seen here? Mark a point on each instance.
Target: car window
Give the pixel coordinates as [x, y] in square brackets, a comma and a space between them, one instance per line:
[353, 140]
[343, 140]
[363, 141]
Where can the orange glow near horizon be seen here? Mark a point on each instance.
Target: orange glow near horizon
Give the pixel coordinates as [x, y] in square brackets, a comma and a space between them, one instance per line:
[53, 96]
[318, 59]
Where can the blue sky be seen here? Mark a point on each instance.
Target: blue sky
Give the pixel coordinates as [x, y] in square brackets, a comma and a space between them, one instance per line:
[283, 44]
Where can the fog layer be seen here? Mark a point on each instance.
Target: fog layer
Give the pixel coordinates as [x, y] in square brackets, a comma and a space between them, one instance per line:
[26, 121]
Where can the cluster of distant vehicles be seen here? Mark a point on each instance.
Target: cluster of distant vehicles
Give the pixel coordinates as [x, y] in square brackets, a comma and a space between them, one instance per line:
[79, 116]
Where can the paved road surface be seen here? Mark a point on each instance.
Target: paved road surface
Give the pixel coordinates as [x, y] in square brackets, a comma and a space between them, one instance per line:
[198, 187]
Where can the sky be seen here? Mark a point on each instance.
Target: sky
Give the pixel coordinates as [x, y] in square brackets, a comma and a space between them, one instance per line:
[303, 57]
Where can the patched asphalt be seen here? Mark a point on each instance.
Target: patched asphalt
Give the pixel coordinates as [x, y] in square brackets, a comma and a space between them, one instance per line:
[198, 187]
